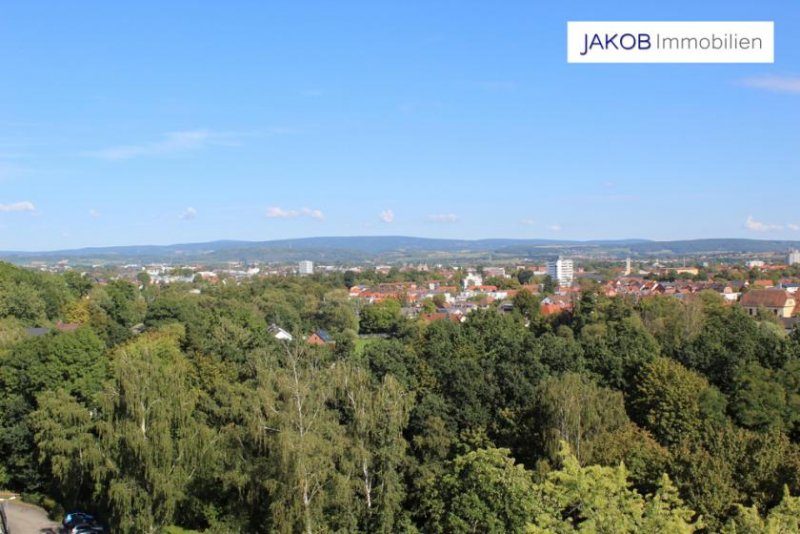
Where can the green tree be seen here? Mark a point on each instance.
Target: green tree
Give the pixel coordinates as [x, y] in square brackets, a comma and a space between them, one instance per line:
[143, 278]
[390, 357]
[784, 518]
[21, 301]
[616, 349]
[305, 441]
[524, 276]
[71, 362]
[561, 353]
[336, 313]
[728, 339]
[66, 439]
[78, 283]
[645, 459]
[572, 409]
[526, 304]
[376, 418]
[674, 323]
[765, 399]
[485, 492]
[152, 439]
[727, 465]
[381, 318]
[548, 285]
[598, 499]
[674, 402]
[349, 279]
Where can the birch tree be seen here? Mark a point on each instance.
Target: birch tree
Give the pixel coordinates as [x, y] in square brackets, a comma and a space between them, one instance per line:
[152, 440]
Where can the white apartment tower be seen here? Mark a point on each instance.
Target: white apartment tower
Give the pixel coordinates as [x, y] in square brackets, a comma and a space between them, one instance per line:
[794, 257]
[306, 267]
[561, 271]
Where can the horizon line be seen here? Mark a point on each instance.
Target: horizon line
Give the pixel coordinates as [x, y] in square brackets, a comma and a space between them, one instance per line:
[391, 236]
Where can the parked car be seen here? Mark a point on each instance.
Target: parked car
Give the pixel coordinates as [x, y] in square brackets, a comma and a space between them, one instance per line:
[87, 528]
[81, 523]
[73, 519]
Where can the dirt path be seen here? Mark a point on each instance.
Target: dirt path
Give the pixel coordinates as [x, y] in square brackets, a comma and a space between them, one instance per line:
[25, 518]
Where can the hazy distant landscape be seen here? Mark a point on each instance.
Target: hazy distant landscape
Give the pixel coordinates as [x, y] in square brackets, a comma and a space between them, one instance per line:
[401, 248]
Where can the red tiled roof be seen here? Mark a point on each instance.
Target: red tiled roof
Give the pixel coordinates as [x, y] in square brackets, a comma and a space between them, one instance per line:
[430, 317]
[550, 309]
[769, 298]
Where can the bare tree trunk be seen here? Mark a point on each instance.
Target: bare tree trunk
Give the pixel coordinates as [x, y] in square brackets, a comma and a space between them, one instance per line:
[367, 484]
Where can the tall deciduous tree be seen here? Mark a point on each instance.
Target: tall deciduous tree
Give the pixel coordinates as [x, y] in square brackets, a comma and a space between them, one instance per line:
[153, 441]
[305, 440]
[375, 420]
[599, 499]
[674, 402]
[485, 492]
[66, 438]
[572, 409]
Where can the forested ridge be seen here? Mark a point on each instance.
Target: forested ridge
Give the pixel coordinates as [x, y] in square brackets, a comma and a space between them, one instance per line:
[174, 409]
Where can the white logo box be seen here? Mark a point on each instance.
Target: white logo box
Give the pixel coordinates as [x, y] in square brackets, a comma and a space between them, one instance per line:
[670, 42]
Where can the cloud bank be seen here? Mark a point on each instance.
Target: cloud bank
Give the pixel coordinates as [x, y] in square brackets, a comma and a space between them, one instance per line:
[275, 212]
[17, 207]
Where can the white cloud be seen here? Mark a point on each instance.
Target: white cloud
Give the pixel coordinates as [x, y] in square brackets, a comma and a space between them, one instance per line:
[275, 212]
[758, 226]
[189, 214]
[314, 214]
[387, 216]
[555, 227]
[777, 84]
[172, 143]
[94, 214]
[280, 213]
[527, 222]
[443, 218]
[17, 206]
[793, 227]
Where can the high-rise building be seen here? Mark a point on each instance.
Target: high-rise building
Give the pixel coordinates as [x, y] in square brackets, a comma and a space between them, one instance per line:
[794, 257]
[628, 267]
[306, 267]
[561, 271]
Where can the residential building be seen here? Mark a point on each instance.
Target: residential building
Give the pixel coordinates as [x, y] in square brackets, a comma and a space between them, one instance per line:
[561, 271]
[776, 301]
[279, 333]
[320, 338]
[794, 257]
[306, 267]
[753, 264]
[472, 279]
[491, 272]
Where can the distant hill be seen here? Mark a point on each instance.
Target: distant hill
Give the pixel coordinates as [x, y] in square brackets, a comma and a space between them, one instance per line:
[398, 248]
[359, 244]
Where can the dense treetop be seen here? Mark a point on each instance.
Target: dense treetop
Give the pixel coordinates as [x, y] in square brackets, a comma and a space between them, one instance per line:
[166, 408]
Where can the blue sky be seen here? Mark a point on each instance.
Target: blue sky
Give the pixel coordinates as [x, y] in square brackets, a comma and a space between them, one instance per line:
[165, 122]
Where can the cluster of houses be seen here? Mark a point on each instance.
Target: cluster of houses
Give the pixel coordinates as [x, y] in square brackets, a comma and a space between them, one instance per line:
[457, 291]
[455, 302]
